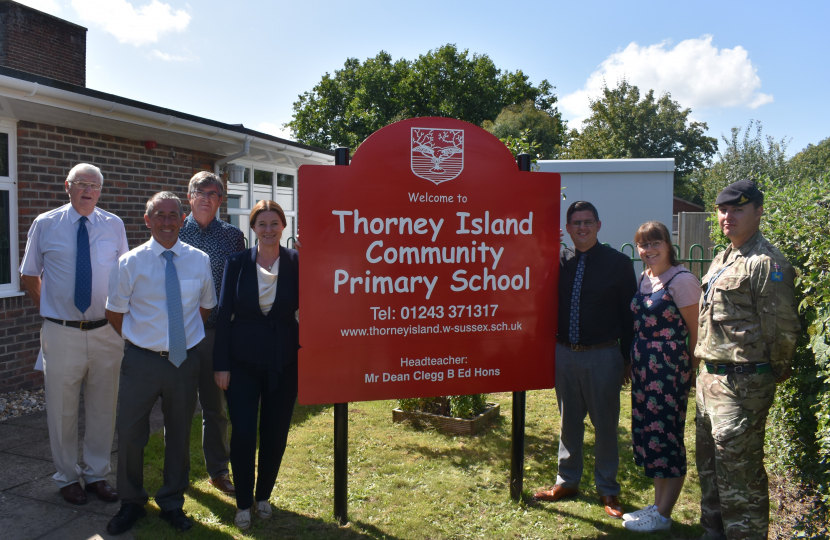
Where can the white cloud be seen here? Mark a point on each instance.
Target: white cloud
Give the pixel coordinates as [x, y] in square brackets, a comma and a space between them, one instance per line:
[274, 129]
[697, 74]
[47, 6]
[155, 53]
[136, 26]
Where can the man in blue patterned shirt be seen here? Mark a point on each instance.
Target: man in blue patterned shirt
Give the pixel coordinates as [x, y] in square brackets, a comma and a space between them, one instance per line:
[218, 239]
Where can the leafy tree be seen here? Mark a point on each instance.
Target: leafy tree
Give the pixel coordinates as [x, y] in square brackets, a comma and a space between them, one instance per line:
[622, 125]
[813, 160]
[543, 129]
[747, 157]
[361, 98]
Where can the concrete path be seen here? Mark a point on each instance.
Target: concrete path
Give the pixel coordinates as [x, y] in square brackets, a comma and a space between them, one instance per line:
[30, 505]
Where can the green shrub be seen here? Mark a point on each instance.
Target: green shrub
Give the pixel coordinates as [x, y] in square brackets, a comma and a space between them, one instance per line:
[454, 406]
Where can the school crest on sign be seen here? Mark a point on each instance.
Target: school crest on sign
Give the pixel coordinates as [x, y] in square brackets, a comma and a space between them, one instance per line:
[437, 155]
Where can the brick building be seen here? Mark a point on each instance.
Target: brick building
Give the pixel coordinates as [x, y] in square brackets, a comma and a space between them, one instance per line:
[49, 122]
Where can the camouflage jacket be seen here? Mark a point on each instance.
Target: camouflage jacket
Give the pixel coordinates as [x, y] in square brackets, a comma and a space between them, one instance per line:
[750, 314]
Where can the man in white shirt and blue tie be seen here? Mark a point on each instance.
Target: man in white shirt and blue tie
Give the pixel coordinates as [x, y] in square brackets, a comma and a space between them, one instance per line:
[160, 294]
[69, 254]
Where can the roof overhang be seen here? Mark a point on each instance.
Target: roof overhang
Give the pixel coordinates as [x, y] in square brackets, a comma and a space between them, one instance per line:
[24, 96]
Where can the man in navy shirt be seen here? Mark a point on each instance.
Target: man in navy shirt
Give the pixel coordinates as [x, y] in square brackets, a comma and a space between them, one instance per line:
[218, 239]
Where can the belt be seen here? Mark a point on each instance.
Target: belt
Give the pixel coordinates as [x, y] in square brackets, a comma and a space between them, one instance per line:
[723, 369]
[576, 347]
[82, 325]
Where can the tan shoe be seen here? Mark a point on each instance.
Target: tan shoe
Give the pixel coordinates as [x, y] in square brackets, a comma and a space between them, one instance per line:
[612, 506]
[555, 493]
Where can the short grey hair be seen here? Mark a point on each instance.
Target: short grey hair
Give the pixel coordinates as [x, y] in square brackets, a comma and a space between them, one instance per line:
[205, 179]
[162, 196]
[85, 168]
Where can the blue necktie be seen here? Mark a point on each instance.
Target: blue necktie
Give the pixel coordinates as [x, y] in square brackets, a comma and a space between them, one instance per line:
[573, 329]
[83, 269]
[175, 320]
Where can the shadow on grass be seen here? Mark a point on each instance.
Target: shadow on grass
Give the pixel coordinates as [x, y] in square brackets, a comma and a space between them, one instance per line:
[613, 528]
[302, 413]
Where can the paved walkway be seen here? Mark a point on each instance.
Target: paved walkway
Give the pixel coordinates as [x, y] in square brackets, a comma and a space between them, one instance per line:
[30, 505]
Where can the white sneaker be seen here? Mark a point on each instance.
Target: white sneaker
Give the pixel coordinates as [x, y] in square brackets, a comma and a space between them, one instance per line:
[648, 523]
[243, 519]
[634, 516]
[263, 509]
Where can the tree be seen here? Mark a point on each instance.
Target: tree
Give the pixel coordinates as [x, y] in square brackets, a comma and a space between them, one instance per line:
[747, 157]
[622, 126]
[543, 129]
[813, 160]
[361, 98]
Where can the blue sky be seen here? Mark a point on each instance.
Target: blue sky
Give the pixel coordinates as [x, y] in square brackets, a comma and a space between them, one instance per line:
[246, 62]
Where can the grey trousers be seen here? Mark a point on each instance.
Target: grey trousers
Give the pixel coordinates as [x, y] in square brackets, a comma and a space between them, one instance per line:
[589, 383]
[214, 415]
[144, 377]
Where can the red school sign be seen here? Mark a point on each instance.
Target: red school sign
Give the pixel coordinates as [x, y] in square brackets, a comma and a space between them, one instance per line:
[429, 268]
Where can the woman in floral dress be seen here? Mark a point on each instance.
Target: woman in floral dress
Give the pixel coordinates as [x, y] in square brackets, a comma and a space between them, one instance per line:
[665, 314]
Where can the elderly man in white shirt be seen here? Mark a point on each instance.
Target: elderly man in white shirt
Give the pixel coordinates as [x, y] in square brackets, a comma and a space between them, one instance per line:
[69, 254]
[159, 297]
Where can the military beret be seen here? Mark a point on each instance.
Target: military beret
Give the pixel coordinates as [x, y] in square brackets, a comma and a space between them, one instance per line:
[740, 193]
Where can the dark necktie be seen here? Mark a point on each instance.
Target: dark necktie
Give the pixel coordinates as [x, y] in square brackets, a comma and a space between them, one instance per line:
[573, 328]
[83, 269]
[175, 320]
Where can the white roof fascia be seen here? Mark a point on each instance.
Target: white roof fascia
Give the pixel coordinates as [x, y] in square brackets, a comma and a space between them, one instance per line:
[62, 99]
[606, 165]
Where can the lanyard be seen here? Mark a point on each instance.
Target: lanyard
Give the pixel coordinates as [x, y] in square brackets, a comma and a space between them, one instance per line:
[712, 281]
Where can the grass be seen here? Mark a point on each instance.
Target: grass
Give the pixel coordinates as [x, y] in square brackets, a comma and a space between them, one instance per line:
[406, 483]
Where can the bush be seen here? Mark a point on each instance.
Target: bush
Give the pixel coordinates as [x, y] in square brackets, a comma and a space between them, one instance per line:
[454, 406]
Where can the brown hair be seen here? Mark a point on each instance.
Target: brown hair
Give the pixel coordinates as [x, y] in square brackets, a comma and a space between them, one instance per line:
[654, 230]
[267, 206]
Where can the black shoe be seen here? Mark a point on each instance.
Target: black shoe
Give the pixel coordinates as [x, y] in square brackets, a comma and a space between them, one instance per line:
[125, 518]
[177, 519]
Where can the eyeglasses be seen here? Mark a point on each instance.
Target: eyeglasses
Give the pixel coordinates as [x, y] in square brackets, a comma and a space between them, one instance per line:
[210, 195]
[657, 244]
[587, 222]
[87, 185]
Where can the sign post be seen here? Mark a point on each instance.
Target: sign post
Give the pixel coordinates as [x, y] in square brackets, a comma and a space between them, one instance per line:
[430, 268]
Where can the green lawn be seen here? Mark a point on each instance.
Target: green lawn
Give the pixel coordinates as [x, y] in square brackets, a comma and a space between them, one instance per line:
[414, 484]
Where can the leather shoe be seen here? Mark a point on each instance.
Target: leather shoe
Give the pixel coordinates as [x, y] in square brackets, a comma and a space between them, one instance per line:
[73, 494]
[103, 490]
[177, 519]
[223, 483]
[125, 518]
[612, 506]
[555, 493]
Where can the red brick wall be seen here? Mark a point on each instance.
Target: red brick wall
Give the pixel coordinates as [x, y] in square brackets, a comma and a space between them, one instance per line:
[131, 175]
[38, 43]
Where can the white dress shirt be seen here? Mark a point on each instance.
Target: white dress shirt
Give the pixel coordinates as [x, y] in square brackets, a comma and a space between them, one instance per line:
[51, 253]
[137, 288]
[267, 283]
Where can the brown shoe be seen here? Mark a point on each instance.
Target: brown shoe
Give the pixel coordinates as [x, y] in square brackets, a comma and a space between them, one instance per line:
[223, 484]
[73, 494]
[612, 506]
[555, 493]
[103, 490]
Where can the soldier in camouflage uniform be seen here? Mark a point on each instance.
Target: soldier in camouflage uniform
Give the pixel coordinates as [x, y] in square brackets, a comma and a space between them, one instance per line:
[746, 341]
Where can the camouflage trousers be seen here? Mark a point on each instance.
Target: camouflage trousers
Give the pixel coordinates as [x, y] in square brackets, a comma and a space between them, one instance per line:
[731, 419]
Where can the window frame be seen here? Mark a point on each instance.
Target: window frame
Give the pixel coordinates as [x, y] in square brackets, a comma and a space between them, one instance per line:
[9, 183]
[251, 190]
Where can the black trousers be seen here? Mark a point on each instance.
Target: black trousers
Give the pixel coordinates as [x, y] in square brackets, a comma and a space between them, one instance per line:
[251, 390]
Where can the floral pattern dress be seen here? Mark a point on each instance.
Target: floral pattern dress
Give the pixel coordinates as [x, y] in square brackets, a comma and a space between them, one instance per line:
[660, 382]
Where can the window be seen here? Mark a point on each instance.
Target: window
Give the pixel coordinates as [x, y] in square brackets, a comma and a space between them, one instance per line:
[9, 254]
[242, 197]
